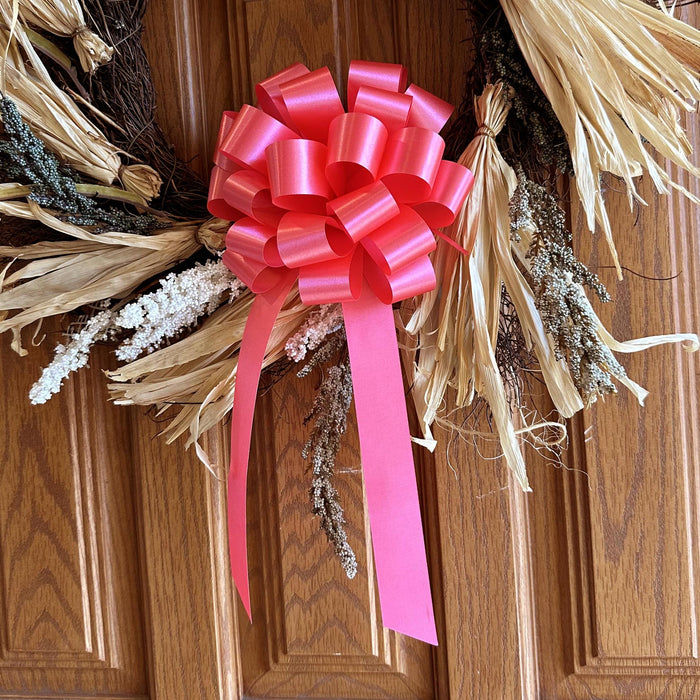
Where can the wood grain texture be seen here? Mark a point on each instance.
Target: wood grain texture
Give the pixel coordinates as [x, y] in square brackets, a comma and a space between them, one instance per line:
[188, 47]
[315, 633]
[584, 588]
[622, 614]
[189, 615]
[70, 607]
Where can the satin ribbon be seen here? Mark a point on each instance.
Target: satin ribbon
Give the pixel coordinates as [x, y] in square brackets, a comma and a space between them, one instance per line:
[345, 204]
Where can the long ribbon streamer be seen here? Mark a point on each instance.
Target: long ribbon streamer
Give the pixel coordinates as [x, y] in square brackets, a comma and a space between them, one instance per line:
[261, 319]
[387, 465]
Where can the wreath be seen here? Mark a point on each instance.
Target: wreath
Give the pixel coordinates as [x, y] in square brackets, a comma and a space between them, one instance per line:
[328, 225]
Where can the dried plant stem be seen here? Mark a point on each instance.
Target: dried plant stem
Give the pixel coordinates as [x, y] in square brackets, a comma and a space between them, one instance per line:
[329, 414]
[56, 119]
[613, 86]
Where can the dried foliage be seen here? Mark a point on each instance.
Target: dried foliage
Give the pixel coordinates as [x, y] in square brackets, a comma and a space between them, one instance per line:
[56, 119]
[532, 135]
[65, 18]
[614, 86]
[25, 159]
[543, 242]
[458, 327]
[123, 89]
[63, 275]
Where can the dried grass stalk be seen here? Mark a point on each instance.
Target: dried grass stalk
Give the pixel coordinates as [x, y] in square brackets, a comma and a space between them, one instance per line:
[56, 120]
[63, 275]
[66, 18]
[457, 326]
[616, 74]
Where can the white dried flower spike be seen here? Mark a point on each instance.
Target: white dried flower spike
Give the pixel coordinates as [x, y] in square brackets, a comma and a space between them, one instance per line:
[179, 303]
[321, 322]
[71, 357]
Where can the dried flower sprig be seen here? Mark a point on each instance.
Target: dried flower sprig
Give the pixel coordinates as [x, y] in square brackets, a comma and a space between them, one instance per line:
[538, 130]
[557, 278]
[330, 411]
[156, 317]
[71, 357]
[56, 118]
[25, 159]
[179, 303]
[543, 244]
[321, 322]
[536, 211]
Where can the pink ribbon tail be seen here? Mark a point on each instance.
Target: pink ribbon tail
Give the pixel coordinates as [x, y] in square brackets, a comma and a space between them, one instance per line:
[387, 465]
[261, 319]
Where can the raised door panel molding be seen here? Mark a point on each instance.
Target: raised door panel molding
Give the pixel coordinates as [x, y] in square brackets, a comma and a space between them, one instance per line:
[616, 531]
[70, 570]
[315, 632]
[636, 519]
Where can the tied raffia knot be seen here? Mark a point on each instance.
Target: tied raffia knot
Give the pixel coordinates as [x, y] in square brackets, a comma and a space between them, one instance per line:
[486, 131]
[81, 30]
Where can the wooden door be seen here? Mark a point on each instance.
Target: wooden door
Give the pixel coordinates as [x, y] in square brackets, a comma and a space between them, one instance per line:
[112, 545]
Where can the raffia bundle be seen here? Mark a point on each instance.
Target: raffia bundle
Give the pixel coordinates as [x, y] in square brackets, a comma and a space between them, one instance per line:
[198, 373]
[64, 275]
[616, 74]
[457, 336]
[66, 18]
[56, 120]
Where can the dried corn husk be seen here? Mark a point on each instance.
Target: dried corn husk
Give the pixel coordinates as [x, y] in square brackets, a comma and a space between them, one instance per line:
[66, 18]
[198, 373]
[678, 37]
[58, 122]
[612, 83]
[457, 336]
[64, 275]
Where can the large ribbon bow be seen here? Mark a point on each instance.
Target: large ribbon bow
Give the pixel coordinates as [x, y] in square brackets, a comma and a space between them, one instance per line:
[345, 203]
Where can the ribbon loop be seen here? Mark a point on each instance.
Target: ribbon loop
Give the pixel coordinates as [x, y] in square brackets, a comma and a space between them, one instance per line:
[418, 277]
[333, 281]
[411, 161]
[250, 134]
[258, 277]
[297, 179]
[355, 148]
[428, 111]
[220, 159]
[269, 91]
[392, 108]
[307, 239]
[248, 192]
[386, 76]
[400, 241]
[452, 184]
[216, 200]
[313, 103]
[362, 211]
[255, 241]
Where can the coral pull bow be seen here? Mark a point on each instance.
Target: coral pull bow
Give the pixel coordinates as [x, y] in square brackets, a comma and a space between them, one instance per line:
[344, 204]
